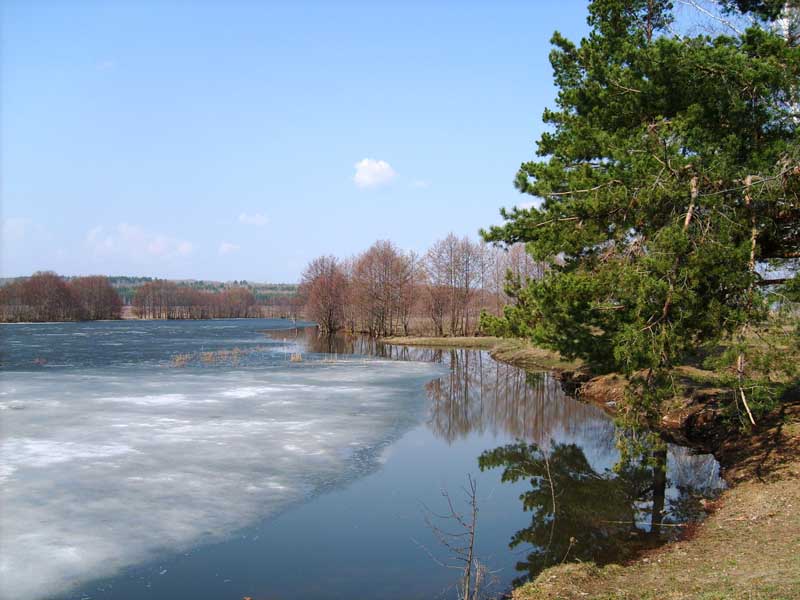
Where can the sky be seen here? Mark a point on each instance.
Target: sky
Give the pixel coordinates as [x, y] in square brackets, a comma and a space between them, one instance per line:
[234, 140]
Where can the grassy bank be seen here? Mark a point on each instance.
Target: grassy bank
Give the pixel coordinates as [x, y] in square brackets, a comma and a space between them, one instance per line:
[748, 547]
[519, 353]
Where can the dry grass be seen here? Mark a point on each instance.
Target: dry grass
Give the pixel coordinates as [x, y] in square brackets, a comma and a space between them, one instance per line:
[525, 355]
[181, 360]
[519, 353]
[482, 343]
[214, 357]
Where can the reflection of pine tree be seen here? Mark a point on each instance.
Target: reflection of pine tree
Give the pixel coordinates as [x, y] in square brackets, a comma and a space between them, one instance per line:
[584, 516]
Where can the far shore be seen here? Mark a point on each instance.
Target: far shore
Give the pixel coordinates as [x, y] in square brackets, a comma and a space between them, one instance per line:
[126, 319]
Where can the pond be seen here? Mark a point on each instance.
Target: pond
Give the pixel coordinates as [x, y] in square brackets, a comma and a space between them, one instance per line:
[202, 459]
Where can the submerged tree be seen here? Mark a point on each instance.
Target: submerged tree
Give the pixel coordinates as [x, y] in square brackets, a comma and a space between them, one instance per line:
[670, 179]
[323, 288]
[97, 297]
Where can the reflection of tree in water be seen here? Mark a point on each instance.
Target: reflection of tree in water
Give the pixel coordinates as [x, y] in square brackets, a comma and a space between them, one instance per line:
[482, 395]
[309, 339]
[589, 513]
[585, 515]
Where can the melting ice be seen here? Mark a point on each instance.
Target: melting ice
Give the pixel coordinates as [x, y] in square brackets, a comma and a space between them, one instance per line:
[103, 468]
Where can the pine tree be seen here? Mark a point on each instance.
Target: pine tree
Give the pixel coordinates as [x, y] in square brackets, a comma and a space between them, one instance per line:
[669, 179]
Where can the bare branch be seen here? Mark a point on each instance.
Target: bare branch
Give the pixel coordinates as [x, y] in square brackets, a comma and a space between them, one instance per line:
[696, 5]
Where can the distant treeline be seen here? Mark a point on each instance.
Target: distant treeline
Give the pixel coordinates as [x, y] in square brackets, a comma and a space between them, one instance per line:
[382, 291]
[385, 291]
[265, 293]
[47, 296]
[167, 300]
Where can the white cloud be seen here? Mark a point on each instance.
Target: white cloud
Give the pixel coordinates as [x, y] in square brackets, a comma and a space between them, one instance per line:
[256, 219]
[133, 241]
[373, 173]
[227, 248]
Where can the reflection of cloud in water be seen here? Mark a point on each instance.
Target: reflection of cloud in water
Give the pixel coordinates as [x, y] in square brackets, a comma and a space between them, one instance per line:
[130, 463]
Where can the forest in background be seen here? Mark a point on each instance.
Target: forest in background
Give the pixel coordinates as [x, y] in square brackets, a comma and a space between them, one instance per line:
[46, 296]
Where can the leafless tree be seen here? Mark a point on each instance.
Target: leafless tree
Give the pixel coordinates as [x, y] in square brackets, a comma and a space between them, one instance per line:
[456, 532]
[441, 267]
[457, 265]
[323, 288]
[408, 294]
[98, 299]
[387, 291]
[160, 299]
[380, 283]
[44, 296]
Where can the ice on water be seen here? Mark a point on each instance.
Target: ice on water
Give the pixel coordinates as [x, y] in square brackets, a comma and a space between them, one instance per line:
[106, 468]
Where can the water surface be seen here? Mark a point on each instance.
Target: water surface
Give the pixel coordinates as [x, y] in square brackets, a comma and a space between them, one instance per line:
[194, 459]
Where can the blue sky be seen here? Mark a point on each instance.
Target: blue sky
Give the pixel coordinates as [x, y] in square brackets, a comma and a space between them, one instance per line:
[239, 140]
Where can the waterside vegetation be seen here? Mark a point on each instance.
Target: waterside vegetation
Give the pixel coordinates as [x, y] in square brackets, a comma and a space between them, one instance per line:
[667, 216]
[385, 291]
[672, 201]
[48, 297]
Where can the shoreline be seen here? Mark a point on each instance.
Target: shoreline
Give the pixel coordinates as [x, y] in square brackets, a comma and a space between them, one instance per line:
[747, 547]
[126, 319]
[518, 353]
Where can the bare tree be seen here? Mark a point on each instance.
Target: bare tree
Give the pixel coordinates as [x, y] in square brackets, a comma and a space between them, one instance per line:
[324, 289]
[456, 532]
[98, 299]
[380, 282]
[408, 293]
[385, 291]
[456, 265]
[440, 263]
[471, 269]
[44, 296]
